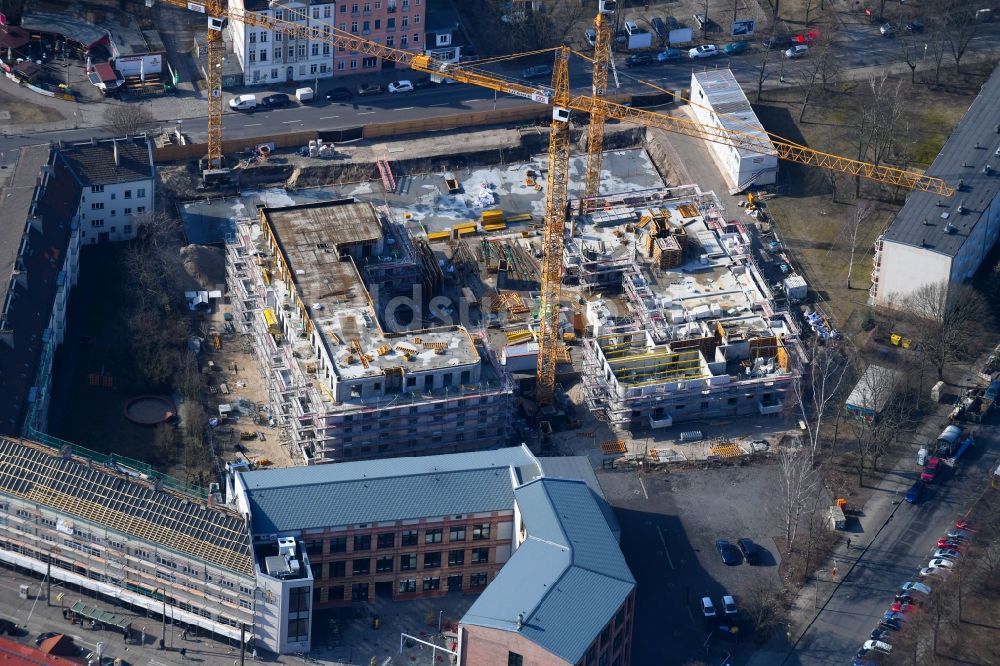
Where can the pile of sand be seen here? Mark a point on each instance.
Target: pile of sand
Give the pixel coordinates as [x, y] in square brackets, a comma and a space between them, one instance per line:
[205, 265]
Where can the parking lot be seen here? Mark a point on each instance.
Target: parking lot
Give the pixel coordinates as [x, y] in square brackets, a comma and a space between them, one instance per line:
[670, 522]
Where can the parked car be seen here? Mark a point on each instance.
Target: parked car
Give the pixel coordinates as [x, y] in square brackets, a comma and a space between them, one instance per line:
[948, 543]
[668, 55]
[659, 27]
[958, 535]
[915, 26]
[915, 587]
[41, 638]
[735, 48]
[964, 525]
[878, 634]
[339, 95]
[890, 625]
[796, 51]
[591, 36]
[887, 30]
[401, 86]
[730, 553]
[915, 492]
[366, 89]
[275, 101]
[933, 571]
[947, 554]
[750, 550]
[704, 51]
[243, 103]
[729, 606]
[940, 563]
[901, 607]
[422, 82]
[707, 607]
[779, 42]
[931, 470]
[9, 628]
[638, 59]
[536, 71]
[877, 646]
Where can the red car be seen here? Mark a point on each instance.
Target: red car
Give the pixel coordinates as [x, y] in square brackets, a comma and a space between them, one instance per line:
[927, 476]
[900, 607]
[963, 525]
[948, 543]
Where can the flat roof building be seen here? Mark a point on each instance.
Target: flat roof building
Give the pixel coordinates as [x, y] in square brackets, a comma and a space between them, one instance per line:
[936, 239]
[315, 285]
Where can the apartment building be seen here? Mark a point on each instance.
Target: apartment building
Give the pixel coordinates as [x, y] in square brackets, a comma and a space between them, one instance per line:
[313, 284]
[935, 239]
[40, 242]
[274, 56]
[118, 182]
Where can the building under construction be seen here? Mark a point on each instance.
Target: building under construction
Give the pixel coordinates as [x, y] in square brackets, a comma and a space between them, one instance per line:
[314, 286]
[698, 335]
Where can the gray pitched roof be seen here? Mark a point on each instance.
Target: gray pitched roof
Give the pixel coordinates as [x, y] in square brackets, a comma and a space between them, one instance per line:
[731, 106]
[566, 580]
[946, 230]
[302, 498]
[95, 163]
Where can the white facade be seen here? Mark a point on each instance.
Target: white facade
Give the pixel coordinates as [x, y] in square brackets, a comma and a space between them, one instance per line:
[107, 212]
[719, 101]
[268, 56]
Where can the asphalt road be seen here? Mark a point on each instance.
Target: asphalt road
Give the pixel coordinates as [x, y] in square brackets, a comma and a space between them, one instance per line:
[862, 48]
[892, 555]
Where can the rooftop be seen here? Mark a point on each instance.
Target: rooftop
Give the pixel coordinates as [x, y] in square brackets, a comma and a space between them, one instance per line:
[935, 222]
[566, 580]
[316, 240]
[111, 499]
[316, 497]
[732, 108]
[28, 296]
[110, 161]
[66, 23]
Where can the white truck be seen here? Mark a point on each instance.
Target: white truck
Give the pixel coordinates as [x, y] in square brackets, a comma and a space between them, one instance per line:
[305, 95]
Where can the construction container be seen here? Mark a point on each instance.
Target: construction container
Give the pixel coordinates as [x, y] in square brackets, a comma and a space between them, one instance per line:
[494, 216]
[464, 229]
[439, 235]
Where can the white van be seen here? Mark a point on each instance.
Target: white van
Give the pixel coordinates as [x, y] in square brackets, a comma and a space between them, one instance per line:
[304, 95]
[243, 103]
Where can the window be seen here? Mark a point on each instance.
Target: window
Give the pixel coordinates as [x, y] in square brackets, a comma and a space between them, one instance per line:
[456, 558]
[97, 206]
[408, 562]
[366, 26]
[354, 26]
[338, 545]
[480, 555]
[478, 579]
[480, 532]
[280, 15]
[390, 23]
[128, 194]
[337, 570]
[140, 209]
[315, 12]
[253, 37]
[326, 51]
[363, 542]
[432, 583]
[378, 24]
[404, 22]
[387, 540]
[402, 40]
[432, 560]
[514, 659]
[389, 41]
[416, 19]
[326, 11]
[354, 8]
[409, 538]
[312, 68]
[407, 585]
[277, 56]
[369, 63]
[263, 38]
[140, 192]
[96, 188]
[298, 630]
[315, 49]
[97, 223]
[340, 65]
[433, 536]
[127, 229]
[416, 37]
[383, 564]
[361, 567]
[302, 51]
[457, 534]
[298, 599]
[336, 593]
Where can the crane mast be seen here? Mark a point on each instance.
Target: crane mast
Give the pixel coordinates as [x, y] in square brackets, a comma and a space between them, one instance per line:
[595, 131]
[555, 222]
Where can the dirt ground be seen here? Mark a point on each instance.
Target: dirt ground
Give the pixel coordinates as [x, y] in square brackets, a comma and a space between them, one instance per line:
[23, 112]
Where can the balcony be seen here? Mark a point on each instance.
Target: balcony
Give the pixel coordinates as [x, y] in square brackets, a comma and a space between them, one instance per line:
[766, 408]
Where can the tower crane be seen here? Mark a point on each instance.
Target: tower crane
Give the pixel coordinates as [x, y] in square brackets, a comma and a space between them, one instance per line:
[559, 96]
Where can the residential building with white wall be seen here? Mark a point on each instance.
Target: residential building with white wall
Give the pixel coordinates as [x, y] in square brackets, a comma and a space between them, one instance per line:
[719, 101]
[936, 239]
[270, 56]
[118, 183]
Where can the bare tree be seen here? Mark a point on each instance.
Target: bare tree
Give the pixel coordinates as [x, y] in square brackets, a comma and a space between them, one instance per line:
[128, 119]
[878, 131]
[817, 387]
[762, 63]
[960, 26]
[911, 52]
[798, 485]
[937, 44]
[951, 317]
[862, 213]
[763, 606]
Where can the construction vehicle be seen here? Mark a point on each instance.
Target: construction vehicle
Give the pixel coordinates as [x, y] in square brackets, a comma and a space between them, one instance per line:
[556, 94]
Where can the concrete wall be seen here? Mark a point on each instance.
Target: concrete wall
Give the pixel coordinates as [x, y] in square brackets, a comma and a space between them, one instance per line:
[905, 268]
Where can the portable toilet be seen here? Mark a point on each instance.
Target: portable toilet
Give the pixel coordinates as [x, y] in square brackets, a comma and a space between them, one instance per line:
[922, 457]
